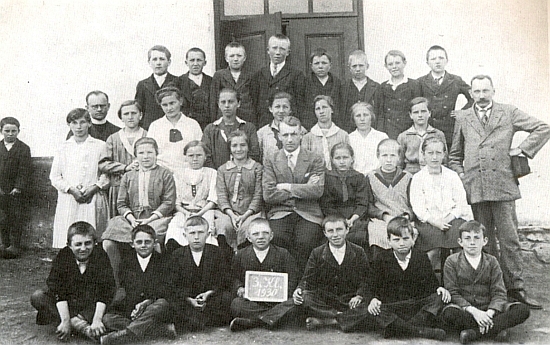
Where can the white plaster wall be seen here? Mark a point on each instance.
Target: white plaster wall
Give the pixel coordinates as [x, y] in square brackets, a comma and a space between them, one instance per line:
[56, 51]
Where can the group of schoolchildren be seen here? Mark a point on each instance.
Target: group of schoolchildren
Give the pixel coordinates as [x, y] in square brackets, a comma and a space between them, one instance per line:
[179, 193]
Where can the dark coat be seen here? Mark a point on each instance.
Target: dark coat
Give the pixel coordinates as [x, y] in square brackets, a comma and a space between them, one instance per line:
[196, 99]
[315, 88]
[138, 285]
[350, 95]
[145, 95]
[100, 132]
[81, 291]
[443, 100]
[263, 86]
[188, 280]
[223, 79]
[332, 202]
[323, 272]
[278, 259]
[389, 283]
[15, 167]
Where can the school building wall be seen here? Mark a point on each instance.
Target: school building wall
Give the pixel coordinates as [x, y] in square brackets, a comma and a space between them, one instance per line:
[56, 51]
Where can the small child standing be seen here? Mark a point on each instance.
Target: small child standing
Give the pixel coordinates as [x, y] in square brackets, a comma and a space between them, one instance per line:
[439, 202]
[80, 286]
[479, 307]
[15, 169]
[346, 194]
[411, 139]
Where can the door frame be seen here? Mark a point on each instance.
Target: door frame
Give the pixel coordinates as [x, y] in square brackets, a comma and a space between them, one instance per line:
[286, 17]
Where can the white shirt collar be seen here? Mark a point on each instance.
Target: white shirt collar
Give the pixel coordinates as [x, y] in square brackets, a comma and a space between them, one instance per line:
[197, 256]
[404, 263]
[323, 80]
[8, 145]
[143, 262]
[394, 86]
[219, 121]
[196, 78]
[474, 262]
[338, 253]
[360, 84]
[279, 67]
[261, 254]
[160, 78]
[294, 154]
[442, 76]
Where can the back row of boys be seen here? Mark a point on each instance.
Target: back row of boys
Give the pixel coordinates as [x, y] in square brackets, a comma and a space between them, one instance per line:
[397, 292]
[391, 98]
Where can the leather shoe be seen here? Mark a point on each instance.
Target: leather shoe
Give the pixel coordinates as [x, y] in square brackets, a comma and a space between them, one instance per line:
[467, 336]
[521, 296]
[241, 323]
[432, 333]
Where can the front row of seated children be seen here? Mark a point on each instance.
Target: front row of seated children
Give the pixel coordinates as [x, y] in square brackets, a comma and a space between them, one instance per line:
[396, 293]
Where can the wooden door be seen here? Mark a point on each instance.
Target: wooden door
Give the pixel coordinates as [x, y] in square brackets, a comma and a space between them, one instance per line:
[253, 32]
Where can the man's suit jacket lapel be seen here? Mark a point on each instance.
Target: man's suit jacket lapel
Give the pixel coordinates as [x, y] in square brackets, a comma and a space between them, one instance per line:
[475, 122]
[281, 75]
[329, 258]
[429, 82]
[281, 162]
[152, 86]
[228, 78]
[302, 164]
[496, 115]
[446, 83]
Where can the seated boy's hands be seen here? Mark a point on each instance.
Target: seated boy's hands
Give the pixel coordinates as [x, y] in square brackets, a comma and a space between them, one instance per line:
[63, 331]
[355, 301]
[195, 304]
[98, 328]
[140, 308]
[483, 319]
[298, 297]
[203, 297]
[444, 293]
[240, 292]
[374, 307]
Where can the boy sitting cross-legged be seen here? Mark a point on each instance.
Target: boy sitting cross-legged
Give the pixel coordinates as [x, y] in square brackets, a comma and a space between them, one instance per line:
[479, 306]
[260, 256]
[144, 309]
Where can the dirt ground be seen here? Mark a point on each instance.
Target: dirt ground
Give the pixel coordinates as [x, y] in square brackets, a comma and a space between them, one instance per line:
[21, 277]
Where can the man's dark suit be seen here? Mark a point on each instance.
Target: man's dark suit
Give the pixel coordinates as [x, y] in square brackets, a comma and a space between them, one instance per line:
[145, 95]
[196, 104]
[153, 284]
[190, 280]
[101, 132]
[263, 86]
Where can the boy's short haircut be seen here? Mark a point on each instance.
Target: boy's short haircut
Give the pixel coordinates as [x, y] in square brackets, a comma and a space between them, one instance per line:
[436, 47]
[358, 54]
[80, 228]
[419, 100]
[344, 146]
[471, 226]
[235, 44]
[238, 133]
[292, 121]
[195, 50]
[328, 99]
[128, 103]
[168, 91]
[257, 221]
[319, 52]
[77, 114]
[332, 218]
[280, 95]
[389, 141]
[146, 141]
[96, 93]
[230, 90]
[279, 37]
[398, 225]
[395, 53]
[195, 143]
[369, 107]
[481, 77]
[161, 49]
[430, 139]
[145, 229]
[9, 121]
[196, 221]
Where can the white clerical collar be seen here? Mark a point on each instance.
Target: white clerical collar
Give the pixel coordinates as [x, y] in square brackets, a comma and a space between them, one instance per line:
[143, 262]
[99, 122]
[196, 78]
